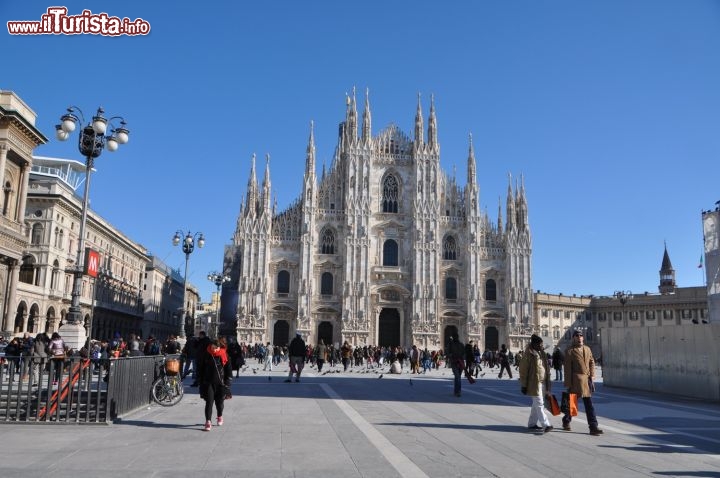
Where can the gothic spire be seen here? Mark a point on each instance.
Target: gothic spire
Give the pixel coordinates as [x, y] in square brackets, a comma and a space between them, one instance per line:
[522, 204]
[351, 118]
[266, 185]
[419, 139]
[310, 152]
[367, 119]
[432, 125]
[252, 191]
[667, 275]
[499, 221]
[510, 205]
[471, 179]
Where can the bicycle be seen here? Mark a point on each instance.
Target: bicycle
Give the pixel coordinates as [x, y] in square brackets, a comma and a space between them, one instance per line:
[168, 389]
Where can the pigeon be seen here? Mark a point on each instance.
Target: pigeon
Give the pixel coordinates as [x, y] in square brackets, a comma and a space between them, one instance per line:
[381, 375]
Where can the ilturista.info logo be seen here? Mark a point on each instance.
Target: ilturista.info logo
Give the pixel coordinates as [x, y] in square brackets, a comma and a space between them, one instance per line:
[57, 22]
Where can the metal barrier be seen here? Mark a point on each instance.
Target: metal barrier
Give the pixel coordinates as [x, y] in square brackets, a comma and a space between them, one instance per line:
[74, 390]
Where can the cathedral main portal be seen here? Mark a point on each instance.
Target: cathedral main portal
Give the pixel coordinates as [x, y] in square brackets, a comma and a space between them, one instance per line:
[281, 333]
[492, 339]
[389, 327]
[325, 333]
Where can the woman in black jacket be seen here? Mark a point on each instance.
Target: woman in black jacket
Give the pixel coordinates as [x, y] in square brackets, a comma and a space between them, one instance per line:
[215, 378]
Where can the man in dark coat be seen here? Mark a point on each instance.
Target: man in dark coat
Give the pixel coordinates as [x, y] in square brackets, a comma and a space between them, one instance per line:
[296, 351]
[456, 354]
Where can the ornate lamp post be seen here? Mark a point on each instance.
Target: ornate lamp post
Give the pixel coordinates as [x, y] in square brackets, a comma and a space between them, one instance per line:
[218, 279]
[188, 246]
[623, 296]
[92, 140]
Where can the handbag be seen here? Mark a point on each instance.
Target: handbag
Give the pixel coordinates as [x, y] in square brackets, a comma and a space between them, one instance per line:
[552, 405]
[568, 404]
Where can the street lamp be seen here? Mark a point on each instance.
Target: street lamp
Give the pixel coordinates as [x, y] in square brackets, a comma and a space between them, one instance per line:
[93, 139]
[188, 246]
[218, 279]
[623, 296]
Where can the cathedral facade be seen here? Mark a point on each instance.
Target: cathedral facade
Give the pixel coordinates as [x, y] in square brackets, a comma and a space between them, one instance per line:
[384, 248]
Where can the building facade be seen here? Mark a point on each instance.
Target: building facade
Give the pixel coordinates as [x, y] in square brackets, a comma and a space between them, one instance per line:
[18, 139]
[711, 235]
[557, 315]
[114, 299]
[383, 248]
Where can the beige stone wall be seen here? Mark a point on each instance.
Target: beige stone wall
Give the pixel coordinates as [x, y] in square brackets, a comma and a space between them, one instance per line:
[674, 360]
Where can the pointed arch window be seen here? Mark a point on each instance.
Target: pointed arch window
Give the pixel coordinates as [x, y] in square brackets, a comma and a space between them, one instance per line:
[450, 289]
[283, 282]
[391, 194]
[327, 242]
[390, 253]
[449, 249]
[490, 290]
[326, 284]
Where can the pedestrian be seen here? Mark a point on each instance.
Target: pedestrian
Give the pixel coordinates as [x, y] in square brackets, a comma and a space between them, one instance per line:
[187, 357]
[469, 358]
[456, 354]
[57, 351]
[171, 346]
[215, 379]
[39, 355]
[236, 356]
[558, 360]
[201, 354]
[346, 353]
[504, 361]
[321, 355]
[134, 346]
[296, 351]
[579, 368]
[268, 357]
[414, 359]
[426, 360]
[535, 382]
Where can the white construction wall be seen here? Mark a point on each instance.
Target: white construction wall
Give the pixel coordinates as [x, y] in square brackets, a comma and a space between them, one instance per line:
[677, 360]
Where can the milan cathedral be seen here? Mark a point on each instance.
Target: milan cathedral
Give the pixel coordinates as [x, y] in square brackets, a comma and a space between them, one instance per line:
[383, 249]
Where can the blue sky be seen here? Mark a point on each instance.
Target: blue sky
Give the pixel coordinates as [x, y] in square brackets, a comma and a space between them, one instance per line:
[610, 109]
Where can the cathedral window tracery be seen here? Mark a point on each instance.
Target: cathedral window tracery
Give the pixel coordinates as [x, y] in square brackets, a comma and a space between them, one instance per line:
[391, 194]
[327, 242]
[449, 249]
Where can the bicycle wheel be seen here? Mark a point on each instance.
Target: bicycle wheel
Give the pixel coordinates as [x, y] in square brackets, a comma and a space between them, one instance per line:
[167, 391]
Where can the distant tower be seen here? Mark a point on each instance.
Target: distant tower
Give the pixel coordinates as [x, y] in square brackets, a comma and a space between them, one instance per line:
[667, 275]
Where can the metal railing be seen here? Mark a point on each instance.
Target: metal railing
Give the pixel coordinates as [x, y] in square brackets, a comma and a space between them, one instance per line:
[74, 390]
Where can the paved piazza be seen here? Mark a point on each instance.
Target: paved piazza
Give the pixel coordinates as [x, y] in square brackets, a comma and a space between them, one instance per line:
[357, 424]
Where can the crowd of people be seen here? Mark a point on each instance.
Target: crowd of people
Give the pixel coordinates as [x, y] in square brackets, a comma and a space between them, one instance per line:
[213, 363]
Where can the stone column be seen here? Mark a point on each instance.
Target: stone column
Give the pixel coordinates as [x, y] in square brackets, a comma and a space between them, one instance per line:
[3, 158]
[22, 193]
[10, 308]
